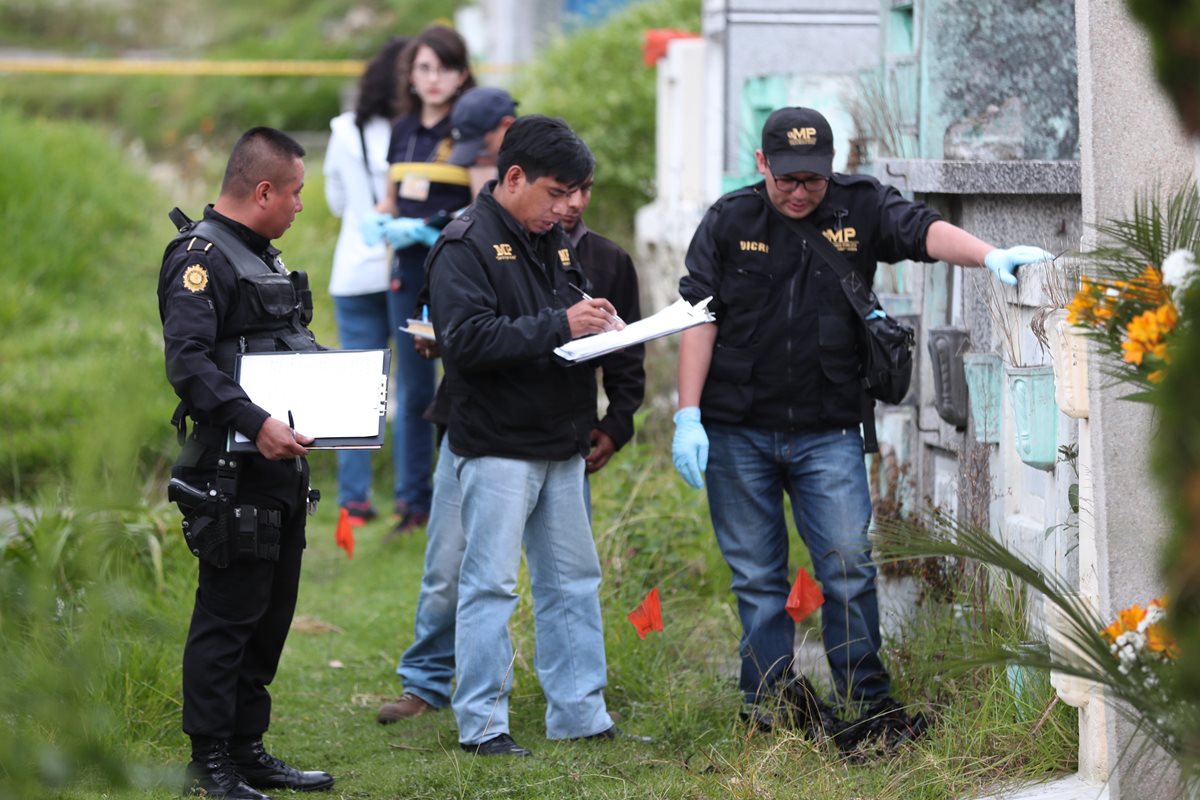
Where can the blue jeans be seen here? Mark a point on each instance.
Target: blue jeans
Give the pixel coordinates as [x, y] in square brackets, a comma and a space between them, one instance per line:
[749, 469]
[363, 323]
[412, 436]
[427, 666]
[507, 502]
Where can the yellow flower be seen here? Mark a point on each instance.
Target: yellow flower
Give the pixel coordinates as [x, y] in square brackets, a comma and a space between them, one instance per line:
[1159, 641]
[1114, 630]
[1131, 616]
[1145, 334]
[1134, 351]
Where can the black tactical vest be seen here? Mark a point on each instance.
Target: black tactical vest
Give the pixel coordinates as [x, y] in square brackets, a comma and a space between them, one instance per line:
[273, 306]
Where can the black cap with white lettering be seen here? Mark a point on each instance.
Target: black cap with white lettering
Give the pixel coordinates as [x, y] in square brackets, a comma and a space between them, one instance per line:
[798, 140]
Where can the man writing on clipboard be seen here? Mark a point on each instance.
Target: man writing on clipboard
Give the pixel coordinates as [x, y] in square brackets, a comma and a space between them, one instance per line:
[224, 290]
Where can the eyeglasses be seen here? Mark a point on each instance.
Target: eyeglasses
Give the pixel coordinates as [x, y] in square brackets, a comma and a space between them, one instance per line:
[429, 70]
[787, 184]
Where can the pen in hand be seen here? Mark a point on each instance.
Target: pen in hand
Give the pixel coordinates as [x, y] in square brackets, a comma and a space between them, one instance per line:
[616, 318]
[292, 425]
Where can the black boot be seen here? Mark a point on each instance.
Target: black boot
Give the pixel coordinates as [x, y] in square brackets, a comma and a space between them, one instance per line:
[881, 730]
[264, 771]
[811, 715]
[211, 773]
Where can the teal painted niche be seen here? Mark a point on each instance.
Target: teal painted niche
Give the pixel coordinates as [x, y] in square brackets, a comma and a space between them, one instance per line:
[984, 374]
[1035, 414]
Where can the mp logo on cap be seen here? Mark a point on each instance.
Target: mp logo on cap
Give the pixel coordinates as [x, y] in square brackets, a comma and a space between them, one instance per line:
[802, 136]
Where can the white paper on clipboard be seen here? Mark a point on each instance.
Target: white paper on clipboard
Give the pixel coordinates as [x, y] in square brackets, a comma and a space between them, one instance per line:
[676, 317]
[338, 397]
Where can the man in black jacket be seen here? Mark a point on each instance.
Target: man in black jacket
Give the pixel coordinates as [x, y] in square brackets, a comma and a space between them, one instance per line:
[223, 290]
[501, 281]
[427, 666]
[611, 271]
[776, 379]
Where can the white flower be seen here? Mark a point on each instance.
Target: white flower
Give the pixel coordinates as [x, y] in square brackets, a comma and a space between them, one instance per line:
[1178, 270]
[1131, 643]
[1154, 614]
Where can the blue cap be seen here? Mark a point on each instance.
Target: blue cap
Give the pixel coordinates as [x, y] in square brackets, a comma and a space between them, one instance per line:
[476, 114]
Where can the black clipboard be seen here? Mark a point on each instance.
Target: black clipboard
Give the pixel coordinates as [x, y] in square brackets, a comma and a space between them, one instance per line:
[339, 397]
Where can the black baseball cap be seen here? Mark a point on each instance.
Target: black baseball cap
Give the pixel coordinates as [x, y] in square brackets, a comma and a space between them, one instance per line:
[798, 140]
[477, 113]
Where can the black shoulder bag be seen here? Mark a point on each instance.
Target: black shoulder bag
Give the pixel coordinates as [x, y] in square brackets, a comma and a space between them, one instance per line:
[887, 359]
[888, 344]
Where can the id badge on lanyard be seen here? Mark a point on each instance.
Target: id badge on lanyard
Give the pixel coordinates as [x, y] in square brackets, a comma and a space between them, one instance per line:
[415, 188]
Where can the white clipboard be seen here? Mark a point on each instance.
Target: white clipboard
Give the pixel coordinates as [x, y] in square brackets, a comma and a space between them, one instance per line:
[676, 317]
[338, 397]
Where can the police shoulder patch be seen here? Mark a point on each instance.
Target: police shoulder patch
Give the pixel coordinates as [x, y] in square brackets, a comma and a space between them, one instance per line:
[195, 278]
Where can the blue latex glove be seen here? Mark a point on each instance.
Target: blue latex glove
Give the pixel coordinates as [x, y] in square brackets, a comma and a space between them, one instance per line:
[402, 231]
[371, 227]
[689, 449]
[426, 235]
[876, 314]
[1005, 262]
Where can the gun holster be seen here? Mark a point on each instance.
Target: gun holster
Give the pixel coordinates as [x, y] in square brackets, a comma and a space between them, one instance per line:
[219, 531]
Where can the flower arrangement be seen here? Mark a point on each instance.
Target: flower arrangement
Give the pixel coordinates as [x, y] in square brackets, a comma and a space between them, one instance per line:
[1139, 638]
[1130, 301]
[1131, 318]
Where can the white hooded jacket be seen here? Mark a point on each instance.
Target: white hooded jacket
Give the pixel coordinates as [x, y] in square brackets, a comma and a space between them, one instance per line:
[358, 268]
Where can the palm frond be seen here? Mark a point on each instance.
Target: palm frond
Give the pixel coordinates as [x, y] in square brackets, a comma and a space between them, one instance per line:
[1163, 714]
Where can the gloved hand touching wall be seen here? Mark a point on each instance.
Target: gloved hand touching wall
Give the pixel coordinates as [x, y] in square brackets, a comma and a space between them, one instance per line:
[1004, 262]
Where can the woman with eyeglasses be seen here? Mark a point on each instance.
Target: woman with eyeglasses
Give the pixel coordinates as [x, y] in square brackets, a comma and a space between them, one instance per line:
[433, 73]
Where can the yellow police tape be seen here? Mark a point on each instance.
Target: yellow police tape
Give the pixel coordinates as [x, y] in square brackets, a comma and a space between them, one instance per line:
[134, 66]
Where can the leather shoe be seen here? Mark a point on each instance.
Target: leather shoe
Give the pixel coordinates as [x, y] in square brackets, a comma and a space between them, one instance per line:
[502, 745]
[211, 773]
[403, 707]
[262, 770]
[613, 732]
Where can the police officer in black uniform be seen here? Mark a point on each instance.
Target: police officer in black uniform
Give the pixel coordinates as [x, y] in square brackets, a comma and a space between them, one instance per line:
[776, 381]
[224, 290]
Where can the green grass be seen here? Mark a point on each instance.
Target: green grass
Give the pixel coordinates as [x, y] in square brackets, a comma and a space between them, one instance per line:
[677, 686]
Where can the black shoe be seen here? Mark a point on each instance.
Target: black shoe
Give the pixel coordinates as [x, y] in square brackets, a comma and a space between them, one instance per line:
[758, 719]
[611, 733]
[502, 745]
[881, 730]
[211, 773]
[262, 770]
[809, 714]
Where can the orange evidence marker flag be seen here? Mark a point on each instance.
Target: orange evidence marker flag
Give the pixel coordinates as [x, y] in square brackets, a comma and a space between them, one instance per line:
[344, 534]
[648, 616]
[805, 596]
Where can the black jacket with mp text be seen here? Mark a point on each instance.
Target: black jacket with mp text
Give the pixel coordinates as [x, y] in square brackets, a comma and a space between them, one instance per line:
[499, 300]
[787, 352]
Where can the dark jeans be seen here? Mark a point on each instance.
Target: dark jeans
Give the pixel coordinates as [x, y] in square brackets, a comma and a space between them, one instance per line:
[749, 469]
